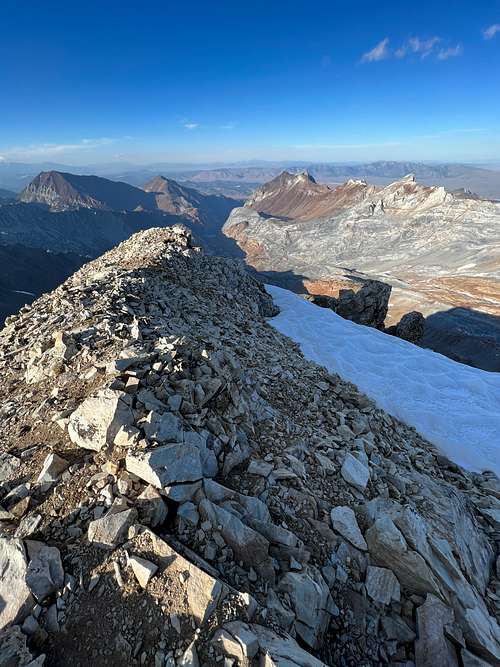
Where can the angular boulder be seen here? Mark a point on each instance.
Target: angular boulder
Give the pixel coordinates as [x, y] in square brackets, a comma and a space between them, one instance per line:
[96, 422]
[15, 595]
[169, 464]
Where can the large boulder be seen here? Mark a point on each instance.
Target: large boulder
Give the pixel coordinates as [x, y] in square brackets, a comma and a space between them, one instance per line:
[96, 422]
[15, 596]
[366, 302]
[311, 601]
[410, 327]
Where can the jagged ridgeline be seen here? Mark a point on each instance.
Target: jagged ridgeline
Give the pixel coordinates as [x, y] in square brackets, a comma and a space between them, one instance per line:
[180, 486]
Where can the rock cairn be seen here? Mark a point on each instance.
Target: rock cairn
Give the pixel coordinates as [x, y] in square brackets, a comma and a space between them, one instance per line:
[180, 487]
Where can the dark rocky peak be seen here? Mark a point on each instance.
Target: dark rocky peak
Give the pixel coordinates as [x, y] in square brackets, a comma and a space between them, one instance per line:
[62, 191]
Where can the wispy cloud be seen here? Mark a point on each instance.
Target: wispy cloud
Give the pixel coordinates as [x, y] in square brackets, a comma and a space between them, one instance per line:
[227, 126]
[379, 52]
[50, 150]
[414, 46]
[491, 31]
[191, 126]
[423, 47]
[450, 52]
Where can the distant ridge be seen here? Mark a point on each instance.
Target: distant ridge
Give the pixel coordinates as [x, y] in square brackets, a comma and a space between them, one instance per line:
[61, 191]
[300, 197]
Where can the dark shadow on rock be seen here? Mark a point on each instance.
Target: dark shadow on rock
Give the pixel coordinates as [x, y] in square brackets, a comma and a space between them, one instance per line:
[286, 279]
[465, 335]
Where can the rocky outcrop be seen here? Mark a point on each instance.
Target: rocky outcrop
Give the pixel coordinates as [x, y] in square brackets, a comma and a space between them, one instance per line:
[367, 303]
[299, 197]
[185, 488]
[62, 191]
[411, 327]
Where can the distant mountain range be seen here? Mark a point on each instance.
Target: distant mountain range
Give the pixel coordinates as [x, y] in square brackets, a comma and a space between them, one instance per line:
[439, 250]
[240, 180]
[61, 220]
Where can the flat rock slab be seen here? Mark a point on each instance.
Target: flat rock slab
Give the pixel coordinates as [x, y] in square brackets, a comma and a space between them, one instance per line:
[310, 598]
[355, 473]
[432, 647]
[388, 548]
[111, 530]
[382, 585]
[202, 591]
[168, 464]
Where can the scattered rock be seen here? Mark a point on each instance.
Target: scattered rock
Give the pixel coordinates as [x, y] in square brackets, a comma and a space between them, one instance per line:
[344, 522]
[381, 585]
[168, 464]
[143, 570]
[45, 573]
[15, 595]
[112, 529]
[52, 468]
[96, 422]
[354, 472]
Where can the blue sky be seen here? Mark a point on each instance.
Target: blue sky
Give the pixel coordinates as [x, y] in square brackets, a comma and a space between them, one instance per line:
[84, 82]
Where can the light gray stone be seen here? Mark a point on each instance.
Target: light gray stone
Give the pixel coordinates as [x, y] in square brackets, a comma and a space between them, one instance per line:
[52, 468]
[247, 639]
[45, 573]
[248, 545]
[388, 548]
[432, 647]
[15, 595]
[260, 468]
[493, 517]
[151, 507]
[111, 530]
[168, 464]
[8, 466]
[344, 522]
[355, 473]
[189, 658]
[96, 422]
[143, 570]
[311, 602]
[382, 585]
[282, 649]
[188, 512]
[166, 427]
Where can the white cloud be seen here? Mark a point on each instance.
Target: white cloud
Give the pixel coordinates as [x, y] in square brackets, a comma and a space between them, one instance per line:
[451, 52]
[413, 46]
[191, 126]
[422, 46]
[49, 150]
[490, 32]
[379, 52]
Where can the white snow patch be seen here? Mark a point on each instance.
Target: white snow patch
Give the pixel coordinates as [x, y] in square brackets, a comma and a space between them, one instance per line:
[456, 407]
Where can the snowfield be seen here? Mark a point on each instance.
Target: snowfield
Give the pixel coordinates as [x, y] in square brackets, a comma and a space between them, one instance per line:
[456, 407]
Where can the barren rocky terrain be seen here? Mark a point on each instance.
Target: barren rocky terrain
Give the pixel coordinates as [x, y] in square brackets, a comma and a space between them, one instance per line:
[167, 500]
[437, 249]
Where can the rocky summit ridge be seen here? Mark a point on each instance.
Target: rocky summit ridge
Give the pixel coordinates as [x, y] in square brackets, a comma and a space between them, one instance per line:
[179, 486]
